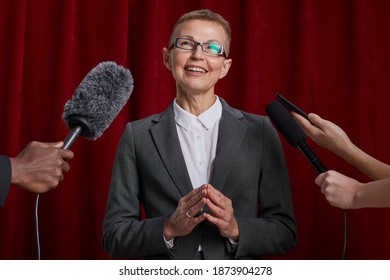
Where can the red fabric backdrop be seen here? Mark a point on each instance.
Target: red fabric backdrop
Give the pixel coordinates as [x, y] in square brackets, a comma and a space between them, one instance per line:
[329, 57]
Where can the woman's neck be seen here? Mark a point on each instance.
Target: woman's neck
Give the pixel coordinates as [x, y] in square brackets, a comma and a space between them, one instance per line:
[196, 104]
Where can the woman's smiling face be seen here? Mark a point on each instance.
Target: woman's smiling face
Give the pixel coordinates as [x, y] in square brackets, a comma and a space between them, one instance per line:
[193, 70]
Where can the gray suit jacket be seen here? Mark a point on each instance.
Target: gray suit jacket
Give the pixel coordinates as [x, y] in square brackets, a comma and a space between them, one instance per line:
[150, 171]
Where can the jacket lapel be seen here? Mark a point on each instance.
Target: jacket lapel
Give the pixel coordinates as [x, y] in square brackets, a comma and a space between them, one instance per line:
[230, 136]
[167, 142]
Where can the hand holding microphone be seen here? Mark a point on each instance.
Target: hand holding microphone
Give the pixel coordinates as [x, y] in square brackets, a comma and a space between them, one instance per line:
[297, 138]
[40, 167]
[96, 103]
[293, 133]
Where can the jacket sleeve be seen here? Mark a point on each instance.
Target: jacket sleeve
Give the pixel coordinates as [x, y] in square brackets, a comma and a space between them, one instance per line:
[5, 178]
[125, 234]
[274, 230]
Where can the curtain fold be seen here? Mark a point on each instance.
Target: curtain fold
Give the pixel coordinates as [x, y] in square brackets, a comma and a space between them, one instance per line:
[329, 57]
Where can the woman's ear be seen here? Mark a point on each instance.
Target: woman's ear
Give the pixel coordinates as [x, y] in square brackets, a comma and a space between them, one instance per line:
[167, 58]
[225, 68]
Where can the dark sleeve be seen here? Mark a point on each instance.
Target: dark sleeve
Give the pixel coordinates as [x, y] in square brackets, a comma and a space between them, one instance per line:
[274, 232]
[5, 178]
[125, 235]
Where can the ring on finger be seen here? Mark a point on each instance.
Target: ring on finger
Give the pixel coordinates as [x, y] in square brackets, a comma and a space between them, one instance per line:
[188, 215]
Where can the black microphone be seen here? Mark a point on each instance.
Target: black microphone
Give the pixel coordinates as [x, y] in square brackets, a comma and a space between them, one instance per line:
[293, 133]
[97, 101]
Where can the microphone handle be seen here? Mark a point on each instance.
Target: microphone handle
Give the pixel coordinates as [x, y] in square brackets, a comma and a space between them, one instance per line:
[72, 136]
[312, 157]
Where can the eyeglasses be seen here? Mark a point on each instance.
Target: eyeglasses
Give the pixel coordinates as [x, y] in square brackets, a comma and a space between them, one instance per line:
[212, 48]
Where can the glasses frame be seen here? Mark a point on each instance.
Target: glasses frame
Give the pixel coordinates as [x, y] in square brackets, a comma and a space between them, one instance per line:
[175, 45]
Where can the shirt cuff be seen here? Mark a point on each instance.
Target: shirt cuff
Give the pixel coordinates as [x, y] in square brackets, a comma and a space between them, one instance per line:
[233, 242]
[169, 243]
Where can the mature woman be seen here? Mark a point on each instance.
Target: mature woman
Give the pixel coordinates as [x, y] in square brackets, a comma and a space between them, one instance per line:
[211, 179]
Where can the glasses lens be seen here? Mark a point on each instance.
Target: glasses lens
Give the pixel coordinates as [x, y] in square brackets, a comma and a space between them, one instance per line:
[185, 44]
[212, 48]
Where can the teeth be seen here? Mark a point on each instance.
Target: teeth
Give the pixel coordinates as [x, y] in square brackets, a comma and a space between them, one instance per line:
[196, 69]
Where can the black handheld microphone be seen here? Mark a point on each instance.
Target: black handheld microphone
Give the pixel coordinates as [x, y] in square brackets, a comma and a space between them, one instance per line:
[97, 101]
[293, 133]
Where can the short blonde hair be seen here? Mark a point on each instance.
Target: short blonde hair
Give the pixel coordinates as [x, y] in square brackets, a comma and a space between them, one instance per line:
[206, 15]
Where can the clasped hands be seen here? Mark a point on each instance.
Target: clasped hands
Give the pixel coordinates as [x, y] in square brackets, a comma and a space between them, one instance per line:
[186, 216]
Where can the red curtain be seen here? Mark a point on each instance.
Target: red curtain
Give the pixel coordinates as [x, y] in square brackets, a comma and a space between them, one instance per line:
[328, 56]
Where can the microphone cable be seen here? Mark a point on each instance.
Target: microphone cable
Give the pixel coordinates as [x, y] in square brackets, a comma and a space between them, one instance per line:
[37, 228]
[345, 234]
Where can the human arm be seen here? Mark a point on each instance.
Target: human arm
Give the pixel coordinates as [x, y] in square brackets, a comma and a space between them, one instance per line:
[347, 193]
[259, 188]
[39, 167]
[333, 138]
[125, 233]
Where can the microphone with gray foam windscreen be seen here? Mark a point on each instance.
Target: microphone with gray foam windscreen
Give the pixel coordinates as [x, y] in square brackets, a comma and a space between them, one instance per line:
[97, 101]
[293, 133]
